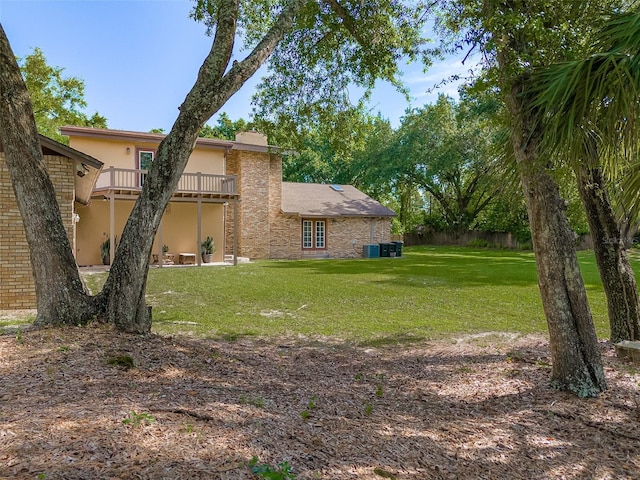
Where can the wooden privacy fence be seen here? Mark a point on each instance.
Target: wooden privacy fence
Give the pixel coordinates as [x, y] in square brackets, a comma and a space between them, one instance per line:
[498, 239]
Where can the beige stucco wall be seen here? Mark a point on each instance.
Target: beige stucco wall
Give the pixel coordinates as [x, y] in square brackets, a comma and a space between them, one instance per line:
[93, 228]
[113, 153]
[16, 279]
[179, 228]
[179, 225]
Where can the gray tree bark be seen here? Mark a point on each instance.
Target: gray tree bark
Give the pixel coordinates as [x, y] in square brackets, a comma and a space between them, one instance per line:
[124, 290]
[617, 276]
[577, 365]
[60, 293]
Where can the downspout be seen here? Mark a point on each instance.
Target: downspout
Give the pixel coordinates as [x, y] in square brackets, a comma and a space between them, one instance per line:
[372, 231]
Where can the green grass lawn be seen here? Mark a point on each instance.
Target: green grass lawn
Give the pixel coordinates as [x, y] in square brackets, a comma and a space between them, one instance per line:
[429, 292]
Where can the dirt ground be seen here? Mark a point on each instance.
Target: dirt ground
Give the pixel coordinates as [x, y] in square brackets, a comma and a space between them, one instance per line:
[189, 408]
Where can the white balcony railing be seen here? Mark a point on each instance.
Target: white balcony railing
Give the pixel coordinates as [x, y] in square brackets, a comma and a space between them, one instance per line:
[196, 183]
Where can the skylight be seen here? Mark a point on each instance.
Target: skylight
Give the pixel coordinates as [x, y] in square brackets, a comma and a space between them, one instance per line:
[337, 188]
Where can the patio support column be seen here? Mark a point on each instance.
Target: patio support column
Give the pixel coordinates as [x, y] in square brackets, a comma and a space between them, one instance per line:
[225, 229]
[235, 232]
[112, 227]
[199, 241]
[160, 245]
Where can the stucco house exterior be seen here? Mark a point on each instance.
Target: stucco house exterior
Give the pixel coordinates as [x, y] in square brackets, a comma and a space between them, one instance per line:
[231, 191]
[206, 195]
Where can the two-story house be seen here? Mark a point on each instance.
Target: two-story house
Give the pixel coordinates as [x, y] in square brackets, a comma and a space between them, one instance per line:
[231, 191]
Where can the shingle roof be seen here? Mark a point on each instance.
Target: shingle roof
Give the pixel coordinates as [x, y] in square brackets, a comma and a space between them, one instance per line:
[319, 200]
[215, 143]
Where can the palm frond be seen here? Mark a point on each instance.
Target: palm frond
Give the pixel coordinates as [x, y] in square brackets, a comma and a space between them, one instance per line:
[596, 98]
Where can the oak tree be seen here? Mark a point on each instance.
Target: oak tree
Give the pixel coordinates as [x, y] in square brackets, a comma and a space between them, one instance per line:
[362, 37]
[57, 99]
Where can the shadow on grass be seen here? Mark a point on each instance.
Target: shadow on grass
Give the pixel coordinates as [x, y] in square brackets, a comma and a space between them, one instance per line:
[461, 266]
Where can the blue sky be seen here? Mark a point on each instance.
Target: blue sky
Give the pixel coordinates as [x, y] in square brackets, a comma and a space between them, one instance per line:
[139, 58]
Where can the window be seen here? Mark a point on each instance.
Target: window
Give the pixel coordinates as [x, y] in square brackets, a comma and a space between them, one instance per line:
[143, 162]
[314, 234]
[320, 234]
[307, 234]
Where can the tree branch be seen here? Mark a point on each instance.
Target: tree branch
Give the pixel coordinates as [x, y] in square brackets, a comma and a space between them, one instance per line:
[222, 48]
[225, 86]
[347, 20]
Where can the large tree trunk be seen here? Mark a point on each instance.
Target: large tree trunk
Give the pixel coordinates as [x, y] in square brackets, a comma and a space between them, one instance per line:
[60, 293]
[577, 365]
[124, 290]
[615, 269]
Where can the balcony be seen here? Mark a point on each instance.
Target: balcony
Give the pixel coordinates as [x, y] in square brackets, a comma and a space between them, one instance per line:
[125, 182]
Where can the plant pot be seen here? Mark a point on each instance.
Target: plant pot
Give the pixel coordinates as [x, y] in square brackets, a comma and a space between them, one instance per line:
[105, 260]
[207, 257]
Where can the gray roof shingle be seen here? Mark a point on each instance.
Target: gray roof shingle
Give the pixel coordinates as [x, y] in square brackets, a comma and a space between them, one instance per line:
[320, 200]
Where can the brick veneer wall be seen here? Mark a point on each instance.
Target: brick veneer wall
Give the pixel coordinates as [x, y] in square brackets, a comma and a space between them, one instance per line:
[266, 233]
[259, 185]
[16, 278]
[232, 168]
[275, 200]
[286, 240]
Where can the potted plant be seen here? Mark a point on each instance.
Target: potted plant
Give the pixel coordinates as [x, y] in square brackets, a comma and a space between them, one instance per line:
[208, 247]
[105, 250]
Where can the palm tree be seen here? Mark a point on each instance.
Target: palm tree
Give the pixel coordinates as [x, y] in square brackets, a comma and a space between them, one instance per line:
[591, 109]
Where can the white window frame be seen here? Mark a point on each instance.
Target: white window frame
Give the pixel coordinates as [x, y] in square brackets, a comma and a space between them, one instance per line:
[314, 234]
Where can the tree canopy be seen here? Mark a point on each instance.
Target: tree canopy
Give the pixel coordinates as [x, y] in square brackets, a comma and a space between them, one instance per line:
[338, 50]
[57, 100]
[225, 128]
[448, 149]
[361, 41]
[597, 95]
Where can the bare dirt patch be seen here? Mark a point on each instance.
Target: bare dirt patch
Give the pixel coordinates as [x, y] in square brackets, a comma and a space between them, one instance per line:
[16, 314]
[473, 407]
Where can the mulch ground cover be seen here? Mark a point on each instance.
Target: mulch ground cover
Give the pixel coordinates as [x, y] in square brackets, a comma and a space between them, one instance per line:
[89, 403]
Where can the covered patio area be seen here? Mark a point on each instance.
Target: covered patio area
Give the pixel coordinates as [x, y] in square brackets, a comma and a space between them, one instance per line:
[197, 210]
